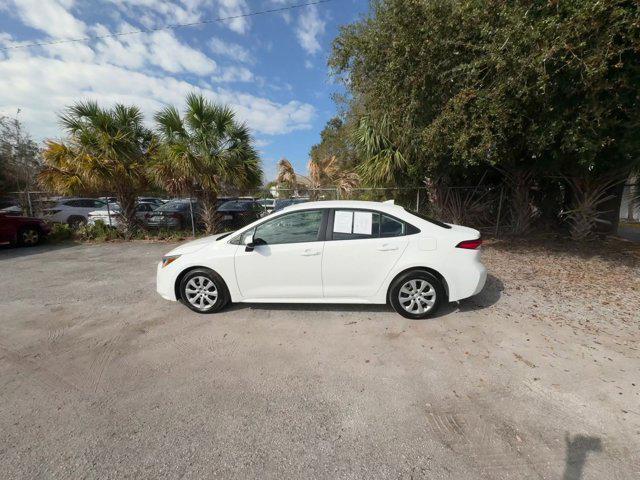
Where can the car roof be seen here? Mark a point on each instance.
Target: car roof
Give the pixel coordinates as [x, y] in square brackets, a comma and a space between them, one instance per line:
[381, 206]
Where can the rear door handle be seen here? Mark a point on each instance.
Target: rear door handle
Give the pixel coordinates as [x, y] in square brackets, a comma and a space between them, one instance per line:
[310, 253]
[387, 248]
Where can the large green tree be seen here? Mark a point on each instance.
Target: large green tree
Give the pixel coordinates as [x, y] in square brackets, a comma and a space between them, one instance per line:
[443, 86]
[204, 152]
[336, 142]
[20, 158]
[107, 151]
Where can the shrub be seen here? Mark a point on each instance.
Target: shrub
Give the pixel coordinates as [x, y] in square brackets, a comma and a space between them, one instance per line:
[60, 232]
[98, 232]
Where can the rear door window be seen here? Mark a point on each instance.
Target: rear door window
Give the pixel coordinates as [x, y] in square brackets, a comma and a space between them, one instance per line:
[355, 224]
[363, 224]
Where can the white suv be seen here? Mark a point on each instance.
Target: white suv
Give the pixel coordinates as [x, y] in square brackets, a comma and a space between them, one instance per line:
[74, 211]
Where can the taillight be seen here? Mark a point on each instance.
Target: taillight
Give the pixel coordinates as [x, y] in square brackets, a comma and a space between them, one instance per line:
[470, 244]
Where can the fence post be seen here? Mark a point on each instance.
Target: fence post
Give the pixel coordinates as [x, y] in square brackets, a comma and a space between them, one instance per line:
[109, 211]
[29, 203]
[418, 200]
[499, 210]
[193, 223]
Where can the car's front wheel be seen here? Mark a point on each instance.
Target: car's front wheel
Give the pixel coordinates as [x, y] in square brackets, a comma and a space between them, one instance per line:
[416, 294]
[203, 291]
[29, 236]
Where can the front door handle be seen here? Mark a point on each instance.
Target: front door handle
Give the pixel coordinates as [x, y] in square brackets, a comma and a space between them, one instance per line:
[310, 253]
[387, 248]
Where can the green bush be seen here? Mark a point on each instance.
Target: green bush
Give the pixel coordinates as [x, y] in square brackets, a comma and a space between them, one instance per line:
[60, 232]
[98, 232]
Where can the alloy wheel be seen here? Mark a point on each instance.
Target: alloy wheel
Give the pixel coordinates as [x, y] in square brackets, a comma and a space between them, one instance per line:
[201, 292]
[417, 296]
[30, 237]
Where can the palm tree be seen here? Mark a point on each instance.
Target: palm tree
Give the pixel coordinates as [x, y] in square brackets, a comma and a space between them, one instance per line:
[107, 150]
[287, 177]
[384, 161]
[326, 172]
[203, 153]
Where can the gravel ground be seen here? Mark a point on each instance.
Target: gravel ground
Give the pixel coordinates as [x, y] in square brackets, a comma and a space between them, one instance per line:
[536, 377]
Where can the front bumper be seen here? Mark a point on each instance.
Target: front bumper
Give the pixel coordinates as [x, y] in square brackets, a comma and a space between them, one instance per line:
[165, 282]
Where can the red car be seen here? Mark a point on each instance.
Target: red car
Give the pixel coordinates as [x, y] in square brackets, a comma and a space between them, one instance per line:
[25, 231]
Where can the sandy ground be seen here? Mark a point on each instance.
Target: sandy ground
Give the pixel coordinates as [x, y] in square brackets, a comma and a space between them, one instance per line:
[536, 377]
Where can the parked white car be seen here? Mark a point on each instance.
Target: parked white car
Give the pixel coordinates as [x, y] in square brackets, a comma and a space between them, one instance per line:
[329, 252]
[74, 211]
[111, 216]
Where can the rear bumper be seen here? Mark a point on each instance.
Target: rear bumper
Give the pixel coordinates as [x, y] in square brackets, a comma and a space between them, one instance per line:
[469, 282]
[164, 223]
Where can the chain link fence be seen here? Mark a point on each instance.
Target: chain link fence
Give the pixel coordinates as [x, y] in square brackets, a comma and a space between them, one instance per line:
[475, 206]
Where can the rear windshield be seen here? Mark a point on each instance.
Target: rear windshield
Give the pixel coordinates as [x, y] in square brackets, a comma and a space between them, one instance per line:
[429, 219]
[173, 206]
[236, 205]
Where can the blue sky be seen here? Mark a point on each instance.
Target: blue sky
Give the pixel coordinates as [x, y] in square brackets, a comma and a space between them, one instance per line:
[272, 69]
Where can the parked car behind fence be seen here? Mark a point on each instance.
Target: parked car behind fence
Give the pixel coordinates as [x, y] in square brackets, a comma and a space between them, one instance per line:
[238, 213]
[112, 216]
[73, 211]
[173, 214]
[19, 230]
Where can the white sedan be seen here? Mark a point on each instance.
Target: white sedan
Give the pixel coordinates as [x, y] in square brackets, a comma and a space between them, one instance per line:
[329, 252]
[111, 216]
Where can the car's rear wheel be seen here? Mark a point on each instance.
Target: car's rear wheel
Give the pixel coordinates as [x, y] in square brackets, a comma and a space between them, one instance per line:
[203, 291]
[29, 236]
[76, 221]
[416, 294]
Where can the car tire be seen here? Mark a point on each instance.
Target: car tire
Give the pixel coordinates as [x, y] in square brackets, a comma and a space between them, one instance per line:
[416, 294]
[76, 221]
[196, 291]
[29, 236]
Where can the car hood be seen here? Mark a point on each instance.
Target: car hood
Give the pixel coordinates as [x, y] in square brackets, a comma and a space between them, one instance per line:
[195, 245]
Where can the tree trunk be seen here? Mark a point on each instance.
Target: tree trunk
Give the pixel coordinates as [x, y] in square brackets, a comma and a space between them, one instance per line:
[208, 212]
[631, 202]
[609, 211]
[128, 220]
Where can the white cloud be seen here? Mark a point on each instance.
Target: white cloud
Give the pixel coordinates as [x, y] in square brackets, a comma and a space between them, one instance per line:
[160, 49]
[49, 16]
[42, 87]
[171, 55]
[231, 50]
[155, 13]
[310, 27]
[234, 74]
[235, 8]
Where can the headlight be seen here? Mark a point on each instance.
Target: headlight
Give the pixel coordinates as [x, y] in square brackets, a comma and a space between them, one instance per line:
[167, 259]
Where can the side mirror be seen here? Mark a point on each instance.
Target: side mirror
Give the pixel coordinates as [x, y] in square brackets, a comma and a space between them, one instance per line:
[251, 243]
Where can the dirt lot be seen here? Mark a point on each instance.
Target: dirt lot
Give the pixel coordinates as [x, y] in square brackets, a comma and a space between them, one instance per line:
[537, 377]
